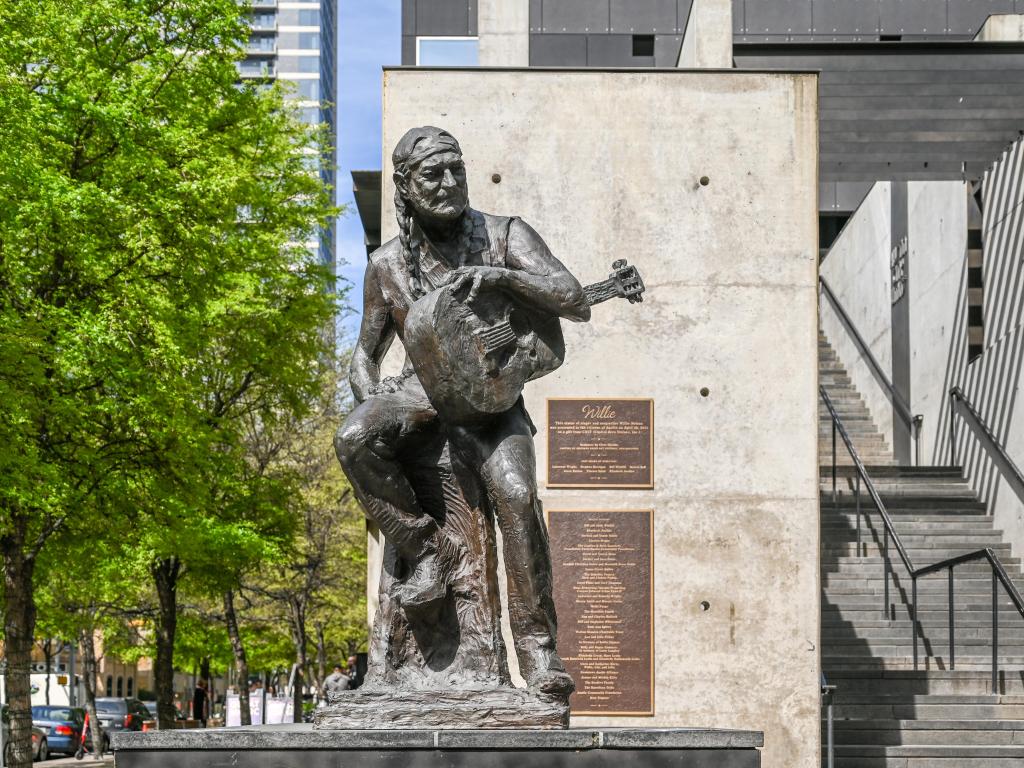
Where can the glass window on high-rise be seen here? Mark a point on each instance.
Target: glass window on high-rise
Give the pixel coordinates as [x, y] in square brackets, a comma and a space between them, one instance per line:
[308, 90]
[294, 40]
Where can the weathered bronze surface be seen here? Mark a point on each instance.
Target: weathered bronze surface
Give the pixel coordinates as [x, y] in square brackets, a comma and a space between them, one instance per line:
[603, 569]
[440, 453]
[600, 443]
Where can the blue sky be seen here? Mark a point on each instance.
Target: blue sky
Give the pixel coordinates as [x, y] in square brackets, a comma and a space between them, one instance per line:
[369, 37]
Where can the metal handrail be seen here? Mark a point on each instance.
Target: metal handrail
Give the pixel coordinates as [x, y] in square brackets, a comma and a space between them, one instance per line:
[828, 699]
[999, 575]
[1009, 470]
[899, 404]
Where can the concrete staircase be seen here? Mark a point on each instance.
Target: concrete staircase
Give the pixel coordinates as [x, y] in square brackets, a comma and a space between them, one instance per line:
[888, 715]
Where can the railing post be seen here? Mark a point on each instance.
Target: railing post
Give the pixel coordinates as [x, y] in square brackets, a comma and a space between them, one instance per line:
[952, 642]
[952, 429]
[995, 633]
[913, 614]
[858, 515]
[831, 735]
[833, 460]
[917, 422]
[885, 566]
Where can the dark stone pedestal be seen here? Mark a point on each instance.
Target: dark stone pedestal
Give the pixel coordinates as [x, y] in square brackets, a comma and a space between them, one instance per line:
[299, 746]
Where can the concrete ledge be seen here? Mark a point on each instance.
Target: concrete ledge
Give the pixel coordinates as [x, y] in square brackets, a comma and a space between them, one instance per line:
[302, 737]
[299, 746]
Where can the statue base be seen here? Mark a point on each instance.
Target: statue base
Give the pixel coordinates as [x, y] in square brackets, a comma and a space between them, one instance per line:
[299, 746]
[503, 707]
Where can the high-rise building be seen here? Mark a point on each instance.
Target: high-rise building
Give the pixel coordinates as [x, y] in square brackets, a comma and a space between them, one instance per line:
[295, 41]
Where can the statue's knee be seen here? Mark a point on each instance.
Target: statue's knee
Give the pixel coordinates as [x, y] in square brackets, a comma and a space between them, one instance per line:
[350, 440]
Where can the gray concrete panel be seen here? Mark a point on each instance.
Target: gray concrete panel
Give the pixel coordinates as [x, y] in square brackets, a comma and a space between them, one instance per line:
[849, 17]
[739, 23]
[614, 51]
[966, 18]
[442, 17]
[907, 112]
[666, 50]
[575, 16]
[536, 15]
[912, 17]
[850, 194]
[644, 17]
[471, 21]
[408, 17]
[558, 50]
[826, 196]
[408, 50]
[780, 17]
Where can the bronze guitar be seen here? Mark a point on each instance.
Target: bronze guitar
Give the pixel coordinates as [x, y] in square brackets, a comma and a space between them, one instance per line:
[473, 359]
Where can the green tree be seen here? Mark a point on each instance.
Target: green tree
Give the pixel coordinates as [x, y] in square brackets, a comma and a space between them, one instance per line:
[153, 284]
[318, 586]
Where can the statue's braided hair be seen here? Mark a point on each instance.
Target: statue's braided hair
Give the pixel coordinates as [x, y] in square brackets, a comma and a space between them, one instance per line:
[403, 212]
[416, 145]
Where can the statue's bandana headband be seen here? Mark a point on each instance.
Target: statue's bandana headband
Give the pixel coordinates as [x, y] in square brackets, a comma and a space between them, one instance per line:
[419, 144]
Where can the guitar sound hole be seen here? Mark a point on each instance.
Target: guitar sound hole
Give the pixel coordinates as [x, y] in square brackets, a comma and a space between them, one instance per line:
[520, 323]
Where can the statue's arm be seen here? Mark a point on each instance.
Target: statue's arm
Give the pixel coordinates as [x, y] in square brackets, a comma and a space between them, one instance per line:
[538, 278]
[376, 332]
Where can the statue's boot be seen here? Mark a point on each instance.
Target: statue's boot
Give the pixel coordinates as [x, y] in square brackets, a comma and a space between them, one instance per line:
[546, 673]
[553, 682]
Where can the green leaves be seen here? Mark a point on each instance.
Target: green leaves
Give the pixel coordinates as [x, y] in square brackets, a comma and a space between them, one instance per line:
[155, 307]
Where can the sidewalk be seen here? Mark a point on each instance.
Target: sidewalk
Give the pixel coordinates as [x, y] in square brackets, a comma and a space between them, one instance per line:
[85, 762]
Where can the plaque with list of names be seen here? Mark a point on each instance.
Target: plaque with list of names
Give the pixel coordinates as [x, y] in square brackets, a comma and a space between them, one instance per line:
[602, 566]
[600, 443]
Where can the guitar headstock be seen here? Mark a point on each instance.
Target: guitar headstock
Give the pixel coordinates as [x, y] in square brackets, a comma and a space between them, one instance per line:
[627, 281]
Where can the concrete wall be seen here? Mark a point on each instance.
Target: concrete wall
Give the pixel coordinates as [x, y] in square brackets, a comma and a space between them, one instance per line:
[993, 380]
[935, 287]
[857, 270]
[707, 43]
[607, 165]
[504, 30]
[1002, 27]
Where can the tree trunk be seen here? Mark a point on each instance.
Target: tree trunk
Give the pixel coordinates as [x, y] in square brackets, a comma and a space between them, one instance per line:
[321, 659]
[165, 577]
[48, 655]
[89, 664]
[300, 639]
[19, 629]
[241, 662]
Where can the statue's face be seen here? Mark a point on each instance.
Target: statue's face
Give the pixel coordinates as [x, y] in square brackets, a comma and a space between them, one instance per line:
[436, 187]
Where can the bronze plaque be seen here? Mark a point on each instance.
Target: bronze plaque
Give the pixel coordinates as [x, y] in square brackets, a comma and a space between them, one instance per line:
[600, 443]
[602, 565]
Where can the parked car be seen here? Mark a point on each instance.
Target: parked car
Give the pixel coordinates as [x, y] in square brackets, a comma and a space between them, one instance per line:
[62, 726]
[151, 707]
[40, 748]
[117, 714]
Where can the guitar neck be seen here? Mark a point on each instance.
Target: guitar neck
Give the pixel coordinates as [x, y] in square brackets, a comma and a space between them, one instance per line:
[603, 291]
